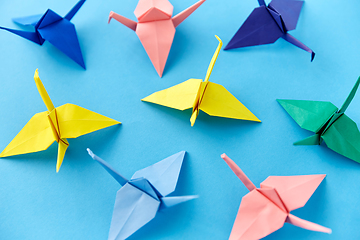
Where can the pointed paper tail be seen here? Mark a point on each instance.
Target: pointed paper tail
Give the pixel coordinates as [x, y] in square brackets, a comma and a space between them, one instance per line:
[127, 22]
[63, 145]
[43, 93]
[306, 224]
[32, 36]
[74, 10]
[350, 97]
[118, 177]
[238, 172]
[213, 60]
[299, 44]
[168, 202]
[180, 17]
[312, 140]
[194, 116]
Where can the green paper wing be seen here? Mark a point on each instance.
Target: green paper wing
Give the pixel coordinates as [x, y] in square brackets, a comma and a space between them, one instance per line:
[310, 115]
[344, 138]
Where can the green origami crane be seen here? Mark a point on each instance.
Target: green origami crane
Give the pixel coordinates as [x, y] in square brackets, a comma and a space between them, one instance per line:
[329, 123]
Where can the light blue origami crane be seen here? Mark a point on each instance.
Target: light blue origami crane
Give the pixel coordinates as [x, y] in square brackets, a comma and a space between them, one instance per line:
[59, 31]
[141, 197]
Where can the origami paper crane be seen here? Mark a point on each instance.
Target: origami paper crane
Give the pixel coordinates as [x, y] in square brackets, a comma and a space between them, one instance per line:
[266, 24]
[329, 123]
[59, 31]
[140, 198]
[265, 210]
[207, 96]
[55, 124]
[156, 28]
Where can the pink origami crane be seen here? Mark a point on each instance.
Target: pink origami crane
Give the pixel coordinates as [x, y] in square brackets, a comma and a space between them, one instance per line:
[265, 210]
[156, 28]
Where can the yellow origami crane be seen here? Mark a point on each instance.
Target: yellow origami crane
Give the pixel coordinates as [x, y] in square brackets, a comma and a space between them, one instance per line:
[207, 96]
[55, 124]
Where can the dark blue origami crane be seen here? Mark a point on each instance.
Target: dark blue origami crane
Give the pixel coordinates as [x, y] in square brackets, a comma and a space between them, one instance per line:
[59, 31]
[266, 24]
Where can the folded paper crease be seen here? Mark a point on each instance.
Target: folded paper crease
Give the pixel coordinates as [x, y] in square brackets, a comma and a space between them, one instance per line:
[141, 197]
[55, 124]
[264, 210]
[207, 96]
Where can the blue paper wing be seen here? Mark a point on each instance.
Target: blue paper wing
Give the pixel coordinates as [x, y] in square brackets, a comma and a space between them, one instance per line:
[29, 20]
[32, 36]
[259, 28]
[163, 175]
[289, 10]
[133, 209]
[62, 34]
[343, 137]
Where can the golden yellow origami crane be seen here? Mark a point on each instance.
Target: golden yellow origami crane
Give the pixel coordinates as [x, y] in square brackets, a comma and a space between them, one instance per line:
[55, 124]
[207, 96]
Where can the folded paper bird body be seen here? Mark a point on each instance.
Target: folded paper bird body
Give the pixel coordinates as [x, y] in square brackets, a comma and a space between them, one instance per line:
[265, 210]
[266, 24]
[55, 124]
[329, 123]
[140, 198]
[156, 28]
[59, 31]
[209, 97]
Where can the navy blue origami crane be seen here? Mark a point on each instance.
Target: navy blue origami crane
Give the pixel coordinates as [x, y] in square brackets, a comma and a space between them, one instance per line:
[266, 24]
[59, 31]
[141, 197]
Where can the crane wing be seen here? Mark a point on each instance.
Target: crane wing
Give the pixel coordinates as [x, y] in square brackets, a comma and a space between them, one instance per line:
[310, 115]
[132, 210]
[163, 175]
[181, 96]
[75, 121]
[343, 137]
[257, 217]
[217, 101]
[258, 29]
[294, 191]
[36, 136]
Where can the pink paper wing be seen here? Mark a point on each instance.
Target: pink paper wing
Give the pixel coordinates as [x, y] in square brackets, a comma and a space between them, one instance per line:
[257, 217]
[157, 37]
[294, 191]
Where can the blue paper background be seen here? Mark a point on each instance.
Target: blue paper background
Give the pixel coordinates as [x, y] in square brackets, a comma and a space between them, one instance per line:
[76, 203]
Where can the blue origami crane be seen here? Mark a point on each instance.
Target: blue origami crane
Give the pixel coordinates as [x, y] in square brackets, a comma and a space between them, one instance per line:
[59, 31]
[266, 24]
[141, 197]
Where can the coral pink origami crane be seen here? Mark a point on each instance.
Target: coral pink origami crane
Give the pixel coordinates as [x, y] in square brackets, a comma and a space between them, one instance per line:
[156, 28]
[265, 210]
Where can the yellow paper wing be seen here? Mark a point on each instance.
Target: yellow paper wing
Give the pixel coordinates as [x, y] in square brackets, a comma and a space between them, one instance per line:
[36, 136]
[181, 96]
[218, 101]
[75, 121]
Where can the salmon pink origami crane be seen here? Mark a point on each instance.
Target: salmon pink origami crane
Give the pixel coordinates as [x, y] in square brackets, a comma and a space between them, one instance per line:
[265, 210]
[156, 28]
